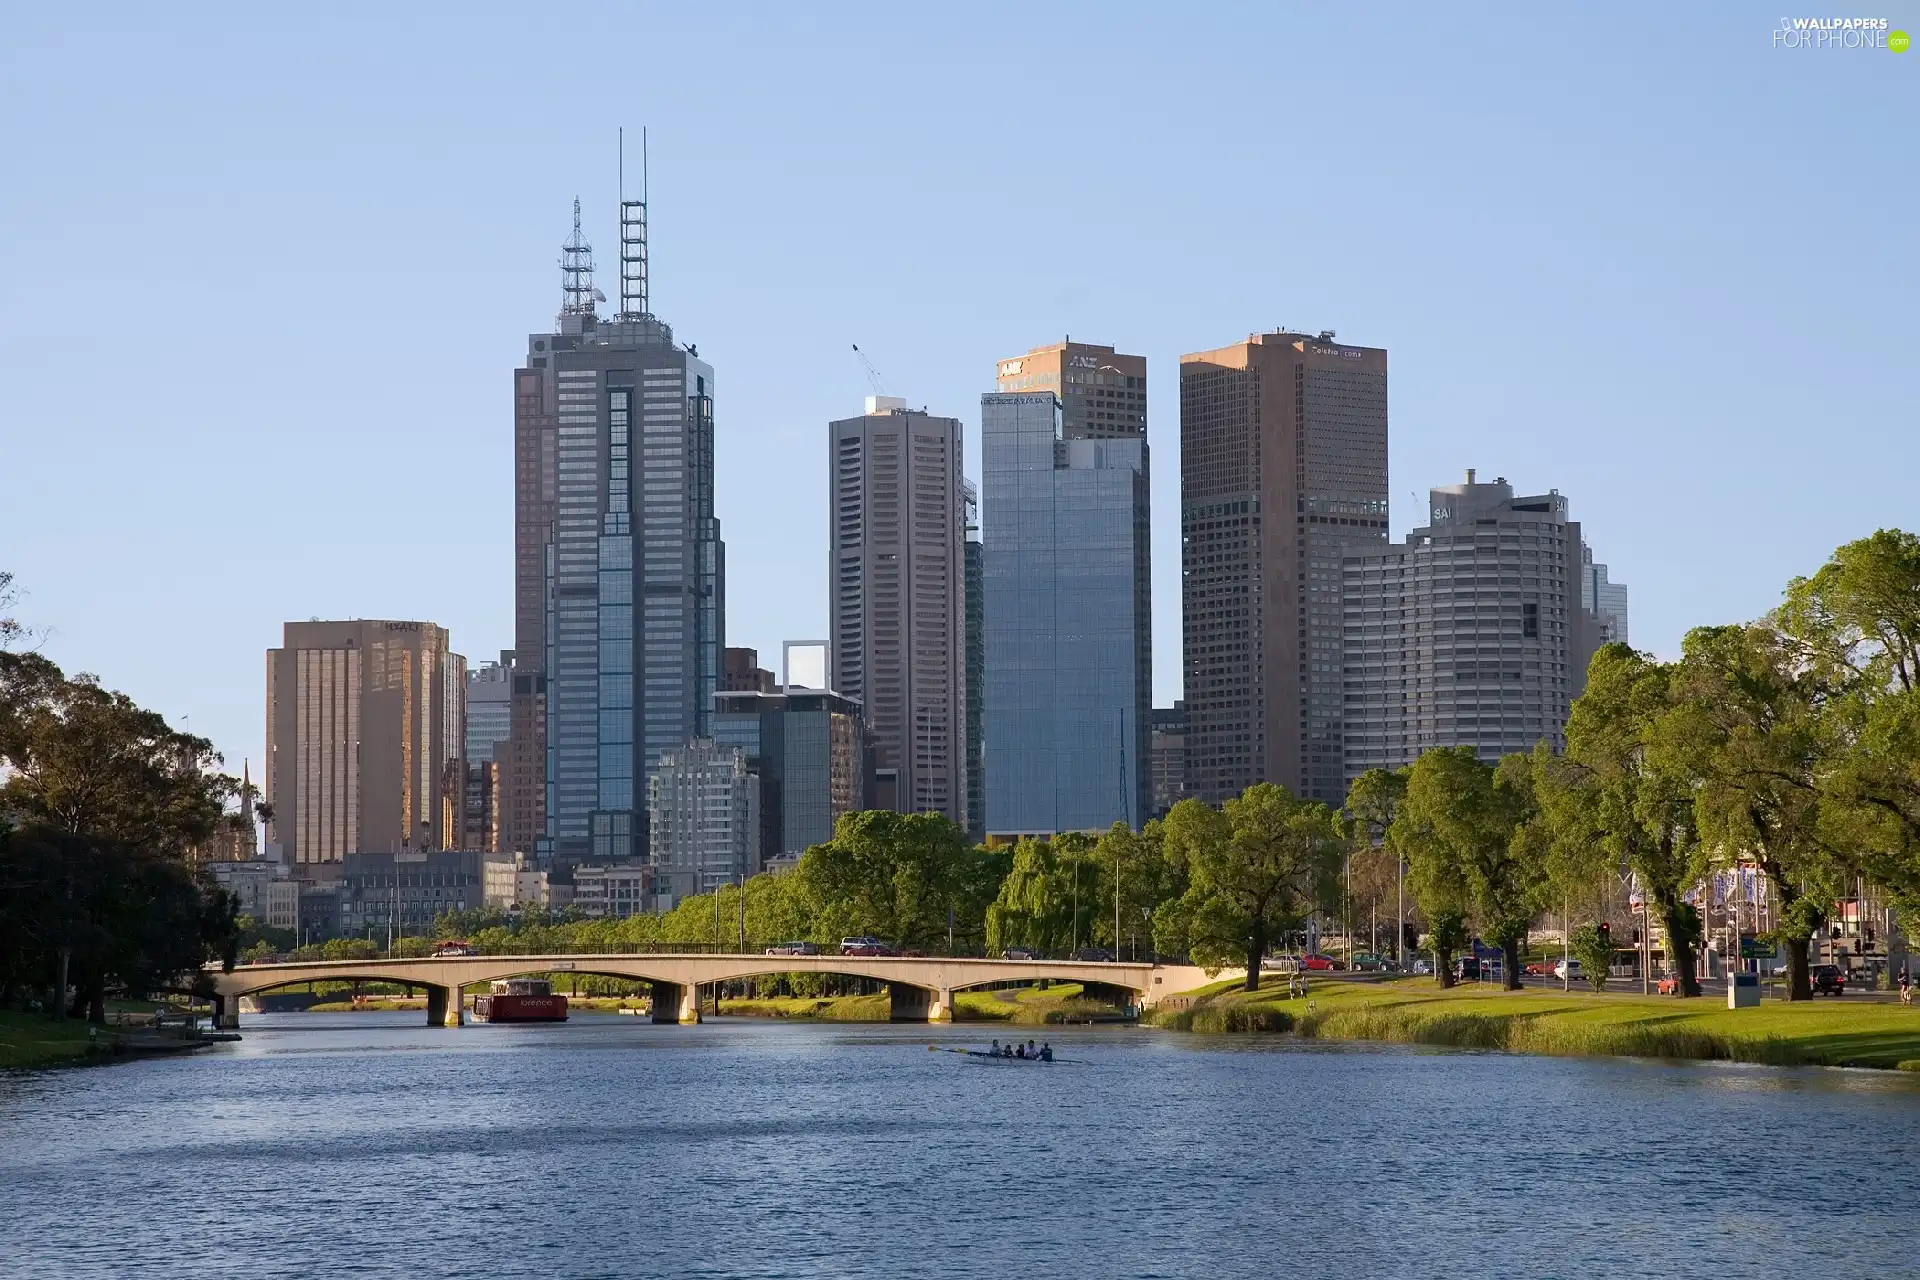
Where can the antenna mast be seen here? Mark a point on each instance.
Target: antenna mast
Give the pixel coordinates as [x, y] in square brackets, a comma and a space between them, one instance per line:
[634, 304]
[576, 270]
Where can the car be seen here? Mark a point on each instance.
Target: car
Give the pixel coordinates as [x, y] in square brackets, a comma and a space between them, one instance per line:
[1535, 971]
[447, 949]
[912, 952]
[793, 949]
[1467, 969]
[1668, 985]
[1100, 954]
[1317, 962]
[1281, 964]
[1828, 980]
[862, 945]
[1368, 963]
[1019, 953]
[1568, 971]
[1422, 968]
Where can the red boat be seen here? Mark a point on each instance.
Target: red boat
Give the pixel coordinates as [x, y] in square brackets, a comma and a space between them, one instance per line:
[521, 1000]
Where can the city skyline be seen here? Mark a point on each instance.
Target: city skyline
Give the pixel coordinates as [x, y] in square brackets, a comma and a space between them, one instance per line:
[1617, 315]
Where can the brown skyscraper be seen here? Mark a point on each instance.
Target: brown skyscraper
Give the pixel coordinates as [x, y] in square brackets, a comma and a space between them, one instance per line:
[897, 583]
[1103, 394]
[364, 734]
[1283, 469]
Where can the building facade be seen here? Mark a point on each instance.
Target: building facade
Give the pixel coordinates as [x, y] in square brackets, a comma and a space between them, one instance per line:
[975, 572]
[897, 585]
[704, 808]
[402, 893]
[489, 696]
[1069, 659]
[364, 734]
[1102, 394]
[263, 890]
[1283, 471]
[1607, 600]
[615, 890]
[1169, 757]
[620, 572]
[1471, 633]
[810, 758]
[741, 672]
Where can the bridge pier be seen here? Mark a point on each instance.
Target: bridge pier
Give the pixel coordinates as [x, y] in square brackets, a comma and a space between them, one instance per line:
[444, 1007]
[675, 1002]
[908, 1003]
[226, 1013]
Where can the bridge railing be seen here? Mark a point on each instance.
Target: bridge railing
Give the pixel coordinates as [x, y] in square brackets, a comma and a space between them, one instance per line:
[411, 950]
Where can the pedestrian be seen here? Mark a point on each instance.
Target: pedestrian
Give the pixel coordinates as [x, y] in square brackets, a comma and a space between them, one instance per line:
[1906, 986]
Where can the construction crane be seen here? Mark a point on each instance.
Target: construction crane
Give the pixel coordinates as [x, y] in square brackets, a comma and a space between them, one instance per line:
[879, 384]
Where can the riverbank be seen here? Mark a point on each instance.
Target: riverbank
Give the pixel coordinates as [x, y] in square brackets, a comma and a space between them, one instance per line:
[32, 1041]
[1414, 1011]
[1022, 1006]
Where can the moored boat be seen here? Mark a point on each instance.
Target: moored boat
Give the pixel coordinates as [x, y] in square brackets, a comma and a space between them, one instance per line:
[520, 1000]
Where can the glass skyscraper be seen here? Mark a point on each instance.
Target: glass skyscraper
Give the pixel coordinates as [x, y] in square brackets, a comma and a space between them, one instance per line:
[1067, 619]
[620, 571]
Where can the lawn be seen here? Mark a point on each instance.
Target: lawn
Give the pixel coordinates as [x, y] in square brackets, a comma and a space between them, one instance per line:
[29, 1040]
[1415, 1011]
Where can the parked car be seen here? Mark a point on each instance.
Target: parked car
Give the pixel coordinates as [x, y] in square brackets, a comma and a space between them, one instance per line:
[1568, 971]
[1828, 980]
[1019, 953]
[863, 945]
[1100, 954]
[793, 949]
[1318, 962]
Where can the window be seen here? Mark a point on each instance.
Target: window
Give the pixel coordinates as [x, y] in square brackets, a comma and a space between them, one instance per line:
[1530, 621]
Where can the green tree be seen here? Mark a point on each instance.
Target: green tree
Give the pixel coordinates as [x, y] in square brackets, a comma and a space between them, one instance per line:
[1255, 869]
[1134, 862]
[894, 875]
[1747, 729]
[1375, 867]
[1463, 826]
[1034, 907]
[1622, 795]
[1594, 950]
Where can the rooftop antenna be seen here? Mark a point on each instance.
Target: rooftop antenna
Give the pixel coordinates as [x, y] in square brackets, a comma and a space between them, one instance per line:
[576, 270]
[633, 238]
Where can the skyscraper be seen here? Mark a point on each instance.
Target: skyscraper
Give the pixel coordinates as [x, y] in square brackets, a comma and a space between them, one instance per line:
[1103, 394]
[1471, 633]
[1069, 650]
[897, 583]
[1607, 600]
[1169, 757]
[620, 573]
[807, 749]
[976, 562]
[703, 807]
[1283, 470]
[364, 734]
[489, 694]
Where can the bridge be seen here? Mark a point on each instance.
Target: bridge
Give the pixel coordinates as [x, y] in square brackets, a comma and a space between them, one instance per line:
[921, 988]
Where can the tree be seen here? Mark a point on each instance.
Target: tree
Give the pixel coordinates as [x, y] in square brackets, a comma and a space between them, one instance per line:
[1035, 903]
[1857, 621]
[1373, 802]
[894, 875]
[1463, 826]
[1594, 950]
[1747, 729]
[1145, 879]
[1617, 793]
[1255, 870]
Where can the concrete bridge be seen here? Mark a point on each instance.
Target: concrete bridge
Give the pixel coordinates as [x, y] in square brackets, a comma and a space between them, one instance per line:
[922, 988]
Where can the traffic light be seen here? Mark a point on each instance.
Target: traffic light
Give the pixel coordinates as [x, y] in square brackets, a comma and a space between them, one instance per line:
[1606, 931]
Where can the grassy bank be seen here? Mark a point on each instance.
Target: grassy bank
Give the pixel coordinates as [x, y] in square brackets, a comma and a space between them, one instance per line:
[873, 1008]
[29, 1041]
[1414, 1011]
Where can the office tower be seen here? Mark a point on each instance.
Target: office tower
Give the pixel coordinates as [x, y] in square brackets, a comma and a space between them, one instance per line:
[1607, 600]
[1470, 633]
[489, 695]
[364, 737]
[1068, 622]
[976, 668]
[808, 751]
[620, 572]
[405, 891]
[1103, 395]
[740, 670]
[1283, 470]
[1169, 757]
[703, 813]
[897, 584]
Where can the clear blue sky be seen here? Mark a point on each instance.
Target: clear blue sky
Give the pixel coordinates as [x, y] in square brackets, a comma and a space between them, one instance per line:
[264, 271]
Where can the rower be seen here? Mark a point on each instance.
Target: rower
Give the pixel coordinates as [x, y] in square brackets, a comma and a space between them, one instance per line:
[1019, 1051]
[1046, 1053]
[996, 1048]
[1031, 1051]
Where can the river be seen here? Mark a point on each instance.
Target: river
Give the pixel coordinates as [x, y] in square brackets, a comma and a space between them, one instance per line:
[365, 1144]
